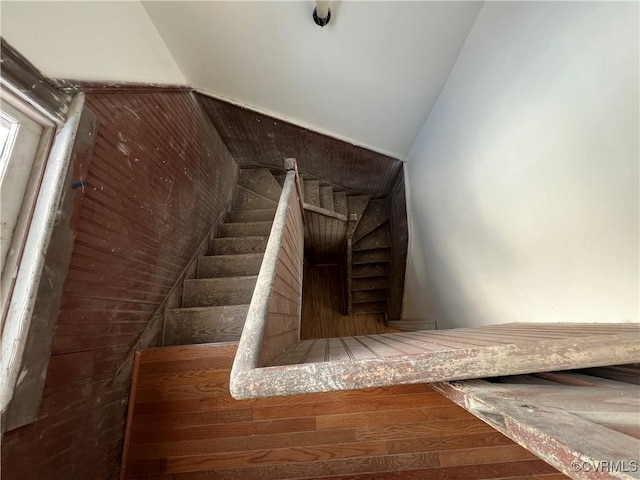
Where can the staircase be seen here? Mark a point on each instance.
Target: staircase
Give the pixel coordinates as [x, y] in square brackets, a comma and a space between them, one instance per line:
[215, 304]
[368, 284]
[371, 257]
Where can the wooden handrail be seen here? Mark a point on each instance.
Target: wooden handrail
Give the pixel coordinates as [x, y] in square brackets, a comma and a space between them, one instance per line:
[291, 165]
[352, 223]
[269, 330]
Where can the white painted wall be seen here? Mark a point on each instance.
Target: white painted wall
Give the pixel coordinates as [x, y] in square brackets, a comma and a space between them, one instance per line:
[524, 178]
[369, 77]
[102, 41]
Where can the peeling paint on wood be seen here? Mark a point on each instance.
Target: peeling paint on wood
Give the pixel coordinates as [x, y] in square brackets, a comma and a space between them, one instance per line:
[549, 347]
[26, 81]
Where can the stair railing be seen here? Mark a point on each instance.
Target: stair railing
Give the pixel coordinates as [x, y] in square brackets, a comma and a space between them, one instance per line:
[352, 222]
[272, 325]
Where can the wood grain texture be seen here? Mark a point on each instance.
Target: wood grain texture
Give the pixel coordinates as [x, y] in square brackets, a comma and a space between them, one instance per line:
[435, 356]
[255, 139]
[321, 308]
[412, 343]
[159, 178]
[399, 243]
[402, 432]
[282, 329]
[550, 414]
[325, 235]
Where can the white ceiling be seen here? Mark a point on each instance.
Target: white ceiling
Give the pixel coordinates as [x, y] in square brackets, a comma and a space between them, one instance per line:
[371, 76]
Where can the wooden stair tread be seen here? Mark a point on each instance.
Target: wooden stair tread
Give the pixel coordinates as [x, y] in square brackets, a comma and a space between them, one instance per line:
[261, 182]
[246, 229]
[187, 326]
[369, 270]
[363, 296]
[371, 256]
[257, 215]
[245, 199]
[369, 283]
[369, 307]
[379, 238]
[210, 292]
[375, 215]
[238, 265]
[312, 192]
[326, 198]
[235, 245]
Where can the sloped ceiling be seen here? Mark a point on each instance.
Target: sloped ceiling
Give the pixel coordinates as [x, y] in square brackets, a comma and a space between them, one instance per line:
[371, 76]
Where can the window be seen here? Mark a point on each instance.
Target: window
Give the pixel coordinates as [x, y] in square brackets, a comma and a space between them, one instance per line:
[36, 198]
[25, 140]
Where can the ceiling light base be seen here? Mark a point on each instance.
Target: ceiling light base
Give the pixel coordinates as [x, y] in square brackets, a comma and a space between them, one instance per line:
[321, 22]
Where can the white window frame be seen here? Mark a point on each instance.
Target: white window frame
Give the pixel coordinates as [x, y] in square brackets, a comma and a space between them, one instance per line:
[23, 278]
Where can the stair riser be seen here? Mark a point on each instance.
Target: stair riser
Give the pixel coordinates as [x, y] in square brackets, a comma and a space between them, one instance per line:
[340, 203]
[370, 283]
[229, 265]
[185, 326]
[253, 229]
[236, 245]
[326, 198]
[368, 308]
[211, 292]
[370, 270]
[371, 256]
[363, 296]
[312, 192]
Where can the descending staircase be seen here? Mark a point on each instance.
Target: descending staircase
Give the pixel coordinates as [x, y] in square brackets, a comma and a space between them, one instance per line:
[368, 283]
[215, 304]
[370, 260]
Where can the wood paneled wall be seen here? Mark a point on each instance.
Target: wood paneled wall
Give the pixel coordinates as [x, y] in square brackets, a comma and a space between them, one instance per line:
[325, 235]
[282, 329]
[255, 139]
[399, 243]
[160, 176]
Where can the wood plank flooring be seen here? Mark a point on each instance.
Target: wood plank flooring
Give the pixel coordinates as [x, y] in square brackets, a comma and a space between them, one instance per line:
[185, 425]
[321, 301]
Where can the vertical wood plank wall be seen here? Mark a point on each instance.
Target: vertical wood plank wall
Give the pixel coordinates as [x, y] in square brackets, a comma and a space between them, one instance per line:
[326, 235]
[159, 177]
[257, 139]
[399, 244]
[285, 305]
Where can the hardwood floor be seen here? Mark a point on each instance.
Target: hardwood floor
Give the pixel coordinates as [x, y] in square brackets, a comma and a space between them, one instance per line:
[321, 300]
[185, 425]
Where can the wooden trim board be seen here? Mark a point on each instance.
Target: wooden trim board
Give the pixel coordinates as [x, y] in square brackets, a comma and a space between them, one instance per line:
[435, 356]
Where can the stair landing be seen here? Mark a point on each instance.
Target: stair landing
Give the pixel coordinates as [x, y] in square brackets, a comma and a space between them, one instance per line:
[185, 425]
